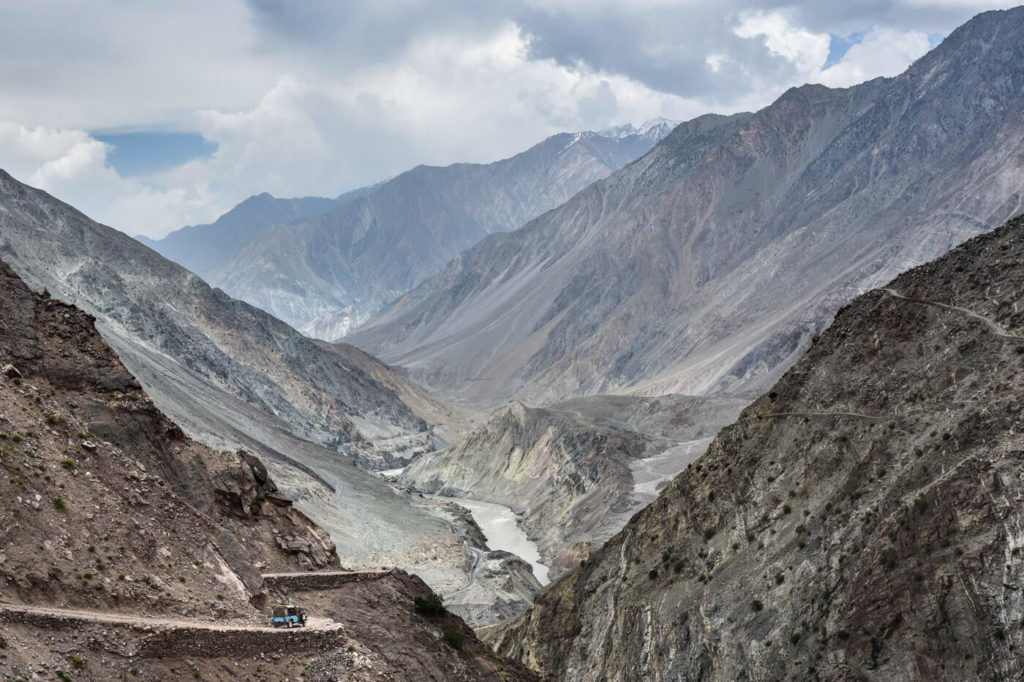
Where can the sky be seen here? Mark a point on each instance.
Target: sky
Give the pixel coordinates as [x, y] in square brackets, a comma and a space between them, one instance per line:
[153, 115]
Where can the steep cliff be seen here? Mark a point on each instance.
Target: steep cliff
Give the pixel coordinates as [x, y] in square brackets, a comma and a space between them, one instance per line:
[860, 520]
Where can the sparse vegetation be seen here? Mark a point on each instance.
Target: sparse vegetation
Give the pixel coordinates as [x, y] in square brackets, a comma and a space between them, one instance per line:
[452, 635]
[430, 605]
[59, 503]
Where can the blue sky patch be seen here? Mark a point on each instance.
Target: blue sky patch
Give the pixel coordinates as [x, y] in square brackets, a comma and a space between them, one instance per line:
[839, 45]
[135, 154]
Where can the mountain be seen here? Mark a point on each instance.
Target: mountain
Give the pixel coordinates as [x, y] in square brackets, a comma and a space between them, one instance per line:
[201, 248]
[575, 471]
[147, 304]
[711, 262]
[324, 274]
[231, 376]
[131, 550]
[859, 521]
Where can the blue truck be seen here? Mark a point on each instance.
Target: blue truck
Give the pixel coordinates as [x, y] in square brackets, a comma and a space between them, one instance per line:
[287, 615]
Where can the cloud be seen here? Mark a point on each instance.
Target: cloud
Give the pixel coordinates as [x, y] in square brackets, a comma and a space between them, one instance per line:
[319, 96]
[880, 52]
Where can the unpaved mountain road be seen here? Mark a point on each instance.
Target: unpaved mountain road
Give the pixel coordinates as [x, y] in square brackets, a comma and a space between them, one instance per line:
[993, 326]
[10, 612]
[318, 580]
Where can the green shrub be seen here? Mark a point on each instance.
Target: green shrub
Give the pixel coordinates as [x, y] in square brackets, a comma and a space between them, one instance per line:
[652, 574]
[76, 662]
[452, 635]
[68, 463]
[756, 605]
[59, 503]
[430, 605]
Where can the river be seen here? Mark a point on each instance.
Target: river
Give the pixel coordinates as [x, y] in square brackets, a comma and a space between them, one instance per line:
[499, 525]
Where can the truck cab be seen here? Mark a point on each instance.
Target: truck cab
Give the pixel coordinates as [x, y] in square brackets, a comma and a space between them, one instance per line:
[288, 615]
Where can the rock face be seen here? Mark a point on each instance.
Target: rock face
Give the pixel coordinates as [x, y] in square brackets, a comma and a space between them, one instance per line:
[860, 520]
[324, 274]
[201, 248]
[713, 260]
[569, 469]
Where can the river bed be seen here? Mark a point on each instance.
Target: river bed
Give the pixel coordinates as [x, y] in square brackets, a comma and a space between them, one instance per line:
[499, 526]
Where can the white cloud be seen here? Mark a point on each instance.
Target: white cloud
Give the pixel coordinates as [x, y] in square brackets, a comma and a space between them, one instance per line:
[445, 100]
[807, 51]
[321, 97]
[882, 52]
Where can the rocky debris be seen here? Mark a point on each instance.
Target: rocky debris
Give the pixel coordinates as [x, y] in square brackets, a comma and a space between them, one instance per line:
[858, 521]
[103, 516]
[712, 261]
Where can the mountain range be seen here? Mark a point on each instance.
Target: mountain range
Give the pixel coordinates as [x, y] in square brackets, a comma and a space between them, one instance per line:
[202, 248]
[709, 264]
[347, 259]
[231, 376]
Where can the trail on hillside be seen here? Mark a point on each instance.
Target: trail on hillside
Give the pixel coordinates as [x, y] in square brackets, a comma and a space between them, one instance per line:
[993, 326]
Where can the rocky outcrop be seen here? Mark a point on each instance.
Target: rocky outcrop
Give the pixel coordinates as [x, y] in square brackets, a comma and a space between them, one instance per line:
[860, 520]
[710, 263]
[325, 274]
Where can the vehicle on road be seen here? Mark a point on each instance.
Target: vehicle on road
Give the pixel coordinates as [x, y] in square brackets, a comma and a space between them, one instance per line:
[288, 615]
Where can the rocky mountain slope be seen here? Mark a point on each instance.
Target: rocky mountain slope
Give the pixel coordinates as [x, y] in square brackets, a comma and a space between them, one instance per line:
[712, 261]
[860, 520]
[201, 248]
[127, 549]
[150, 305]
[233, 377]
[324, 274]
[576, 471]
